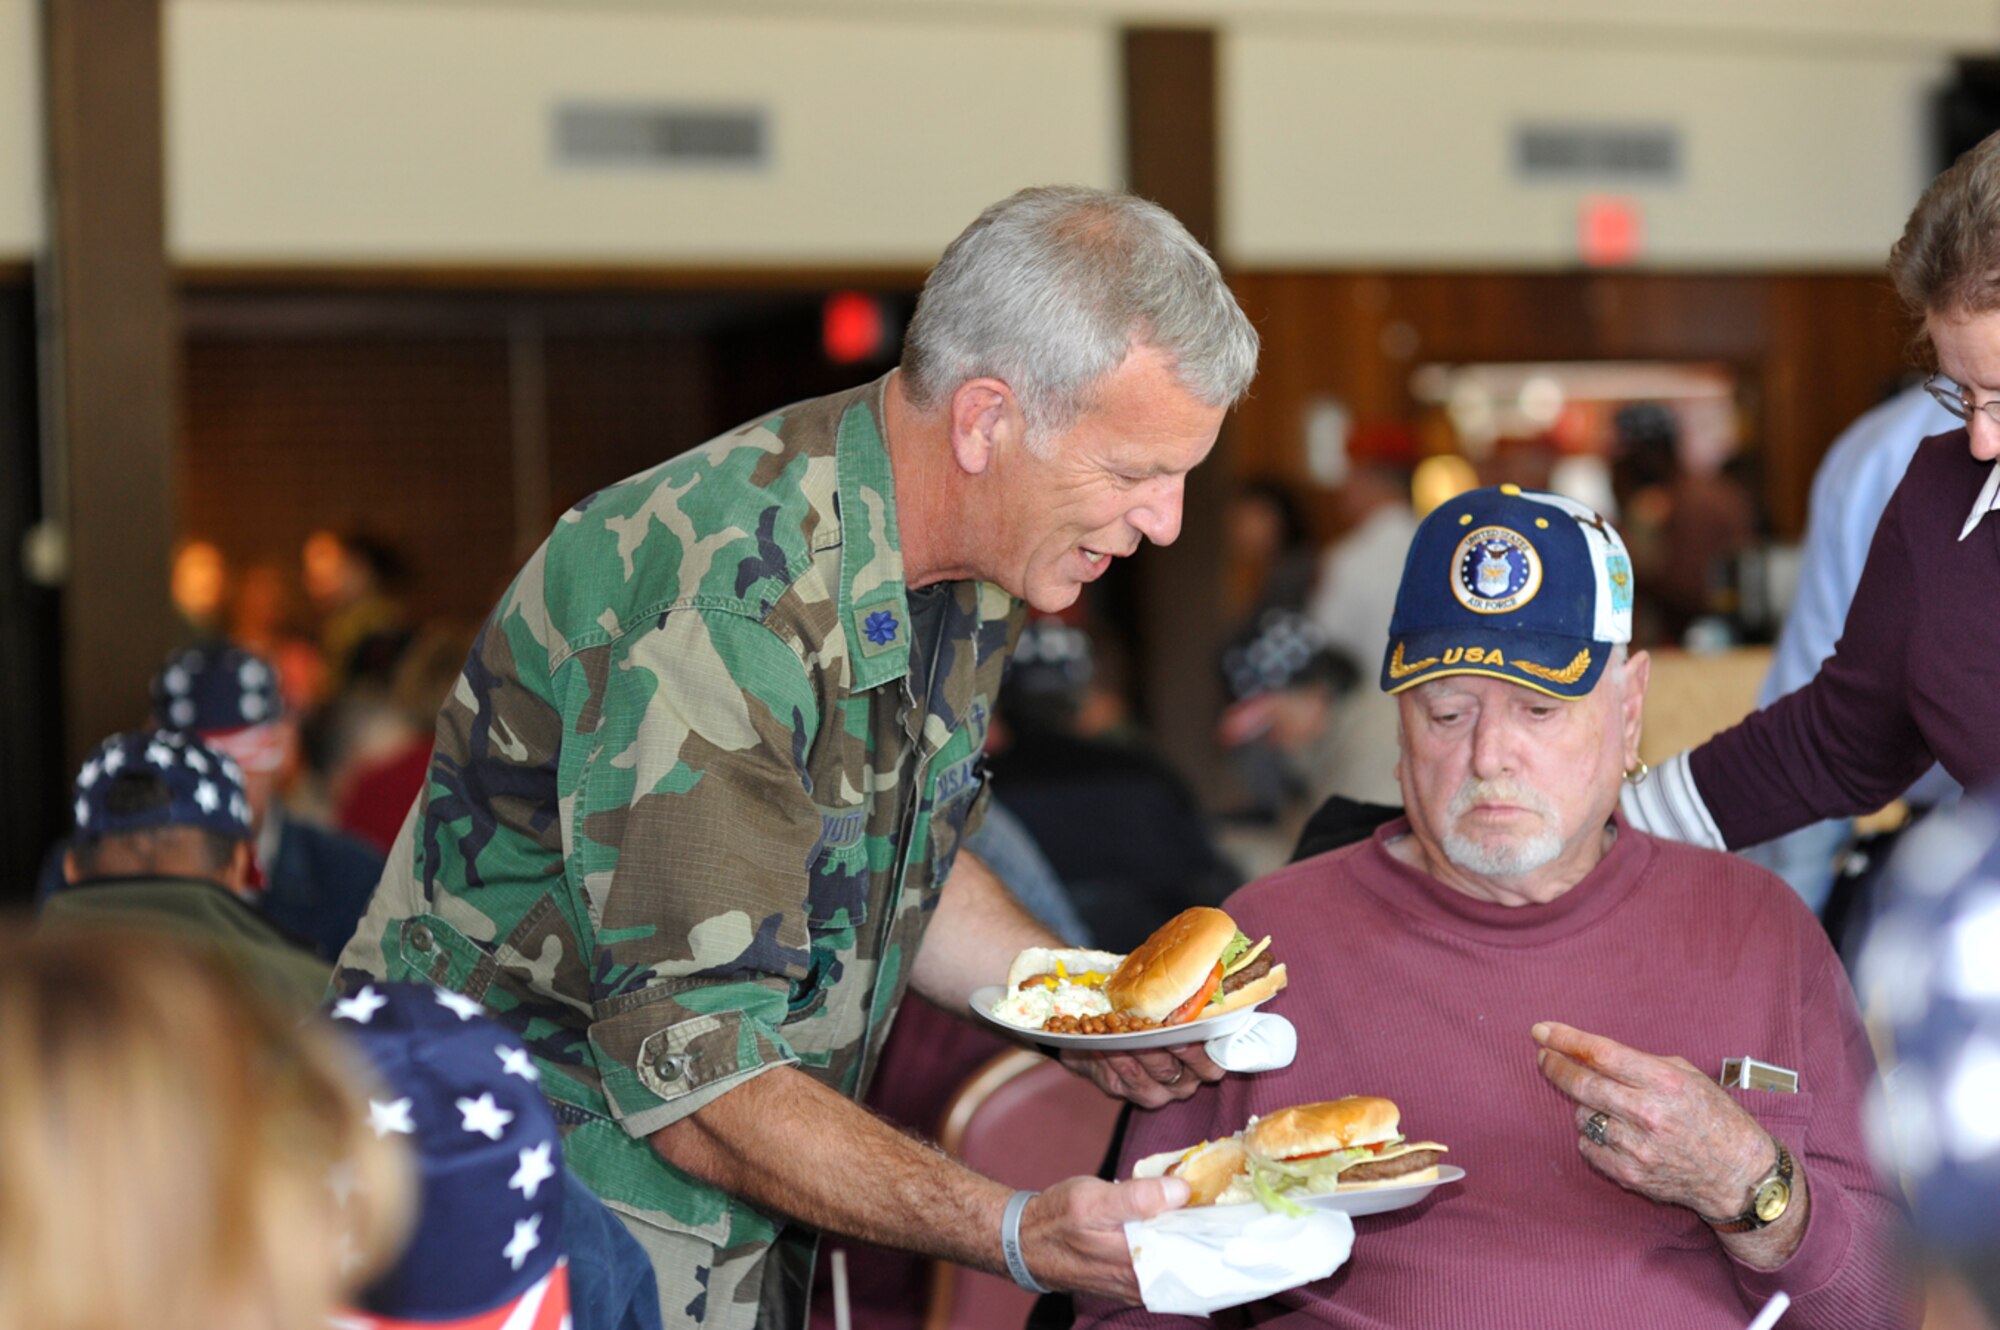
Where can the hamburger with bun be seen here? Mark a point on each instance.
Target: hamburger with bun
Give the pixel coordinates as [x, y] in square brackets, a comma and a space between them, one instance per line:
[1340, 1145]
[1216, 1172]
[1195, 965]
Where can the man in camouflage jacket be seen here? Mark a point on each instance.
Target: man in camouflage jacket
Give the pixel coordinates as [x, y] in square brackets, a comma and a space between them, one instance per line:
[699, 794]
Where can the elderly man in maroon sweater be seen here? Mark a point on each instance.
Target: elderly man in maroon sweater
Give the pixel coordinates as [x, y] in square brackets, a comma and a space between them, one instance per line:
[1552, 993]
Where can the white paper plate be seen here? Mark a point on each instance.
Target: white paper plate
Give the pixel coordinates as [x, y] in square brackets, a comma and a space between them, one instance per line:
[1377, 1200]
[1166, 1036]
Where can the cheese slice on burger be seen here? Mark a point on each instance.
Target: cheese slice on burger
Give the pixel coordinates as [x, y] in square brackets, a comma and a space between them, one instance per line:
[1183, 972]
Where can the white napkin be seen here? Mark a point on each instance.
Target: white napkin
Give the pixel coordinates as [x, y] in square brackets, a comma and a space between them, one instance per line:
[1262, 1043]
[1192, 1262]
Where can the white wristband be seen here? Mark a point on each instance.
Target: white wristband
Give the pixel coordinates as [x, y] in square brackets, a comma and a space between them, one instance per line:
[1010, 1240]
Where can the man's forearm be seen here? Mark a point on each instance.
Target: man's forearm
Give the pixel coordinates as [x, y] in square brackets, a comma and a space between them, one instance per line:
[787, 1144]
[976, 933]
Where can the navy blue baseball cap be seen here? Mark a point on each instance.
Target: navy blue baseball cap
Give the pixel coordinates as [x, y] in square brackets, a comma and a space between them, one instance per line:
[466, 1093]
[1514, 584]
[1929, 974]
[204, 787]
[210, 689]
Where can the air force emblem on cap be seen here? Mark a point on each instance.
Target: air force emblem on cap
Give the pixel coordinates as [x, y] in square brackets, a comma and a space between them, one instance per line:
[1495, 571]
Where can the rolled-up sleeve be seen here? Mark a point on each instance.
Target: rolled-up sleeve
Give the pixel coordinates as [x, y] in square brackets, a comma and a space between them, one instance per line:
[690, 838]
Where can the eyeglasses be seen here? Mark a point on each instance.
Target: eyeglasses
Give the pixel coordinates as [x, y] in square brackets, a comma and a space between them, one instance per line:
[1958, 401]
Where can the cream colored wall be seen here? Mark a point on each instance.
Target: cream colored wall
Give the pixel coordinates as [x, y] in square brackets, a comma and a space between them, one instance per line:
[20, 130]
[318, 132]
[1401, 151]
[1355, 131]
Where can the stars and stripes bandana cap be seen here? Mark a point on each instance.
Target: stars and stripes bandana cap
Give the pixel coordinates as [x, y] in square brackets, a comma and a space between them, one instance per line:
[204, 787]
[1515, 584]
[208, 689]
[1930, 971]
[488, 1242]
[1281, 649]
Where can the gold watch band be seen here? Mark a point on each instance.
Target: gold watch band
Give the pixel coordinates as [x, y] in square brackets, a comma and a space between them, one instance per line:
[1754, 1218]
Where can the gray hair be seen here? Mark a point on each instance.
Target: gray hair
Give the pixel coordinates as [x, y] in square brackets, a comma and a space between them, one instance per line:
[1050, 289]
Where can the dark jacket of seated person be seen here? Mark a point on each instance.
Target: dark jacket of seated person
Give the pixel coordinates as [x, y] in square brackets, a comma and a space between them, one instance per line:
[1551, 994]
[163, 841]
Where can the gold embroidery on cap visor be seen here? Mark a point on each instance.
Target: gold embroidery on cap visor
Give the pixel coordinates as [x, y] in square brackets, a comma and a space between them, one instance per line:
[1490, 657]
[1398, 670]
[1569, 673]
[1495, 570]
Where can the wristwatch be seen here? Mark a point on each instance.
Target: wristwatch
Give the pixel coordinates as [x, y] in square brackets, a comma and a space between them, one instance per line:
[1768, 1200]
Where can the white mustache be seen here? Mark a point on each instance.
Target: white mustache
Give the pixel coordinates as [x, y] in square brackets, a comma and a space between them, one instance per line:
[1501, 790]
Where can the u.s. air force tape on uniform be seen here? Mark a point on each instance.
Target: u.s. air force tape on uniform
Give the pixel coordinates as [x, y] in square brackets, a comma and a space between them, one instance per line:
[1262, 1043]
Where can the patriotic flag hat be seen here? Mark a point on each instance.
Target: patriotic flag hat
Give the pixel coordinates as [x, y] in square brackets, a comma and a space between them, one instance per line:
[205, 788]
[215, 688]
[1930, 973]
[487, 1253]
[1514, 584]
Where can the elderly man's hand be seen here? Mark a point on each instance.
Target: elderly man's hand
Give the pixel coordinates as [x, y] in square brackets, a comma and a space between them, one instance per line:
[1673, 1134]
[1148, 1077]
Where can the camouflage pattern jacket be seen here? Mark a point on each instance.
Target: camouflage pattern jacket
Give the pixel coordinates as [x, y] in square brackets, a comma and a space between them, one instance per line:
[688, 812]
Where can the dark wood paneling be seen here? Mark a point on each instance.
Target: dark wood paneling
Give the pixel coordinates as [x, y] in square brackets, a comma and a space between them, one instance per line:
[619, 404]
[33, 769]
[1170, 124]
[112, 379]
[407, 438]
[1813, 350]
[1171, 137]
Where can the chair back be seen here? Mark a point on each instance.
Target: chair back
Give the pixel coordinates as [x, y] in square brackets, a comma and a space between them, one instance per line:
[1027, 1121]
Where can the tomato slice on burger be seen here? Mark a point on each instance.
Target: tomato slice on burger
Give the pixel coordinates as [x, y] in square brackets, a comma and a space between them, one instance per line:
[1186, 1011]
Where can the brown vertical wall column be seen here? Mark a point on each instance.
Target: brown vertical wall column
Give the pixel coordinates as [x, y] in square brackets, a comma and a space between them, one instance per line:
[1170, 146]
[109, 341]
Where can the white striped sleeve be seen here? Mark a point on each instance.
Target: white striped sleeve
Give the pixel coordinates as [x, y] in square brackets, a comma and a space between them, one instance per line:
[1667, 804]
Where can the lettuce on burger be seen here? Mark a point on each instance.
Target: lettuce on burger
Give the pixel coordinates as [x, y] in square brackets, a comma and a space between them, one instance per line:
[1341, 1145]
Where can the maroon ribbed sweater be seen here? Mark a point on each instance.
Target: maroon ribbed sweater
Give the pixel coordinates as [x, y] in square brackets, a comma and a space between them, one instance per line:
[1915, 675]
[1402, 987]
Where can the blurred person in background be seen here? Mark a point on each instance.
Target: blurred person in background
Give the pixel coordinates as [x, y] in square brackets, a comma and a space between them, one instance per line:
[1910, 681]
[199, 585]
[378, 778]
[354, 581]
[1685, 526]
[166, 1140]
[1119, 825]
[313, 881]
[1355, 595]
[1272, 553]
[735, 706]
[162, 841]
[506, 1237]
[1849, 492]
[1929, 974]
[264, 619]
[1287, 688]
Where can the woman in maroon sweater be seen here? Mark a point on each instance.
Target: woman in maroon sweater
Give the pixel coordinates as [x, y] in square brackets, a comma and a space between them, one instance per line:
[1916, 674]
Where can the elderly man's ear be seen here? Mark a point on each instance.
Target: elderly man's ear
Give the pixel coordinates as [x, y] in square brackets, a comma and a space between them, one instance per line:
[1638, 669]
[984, 418]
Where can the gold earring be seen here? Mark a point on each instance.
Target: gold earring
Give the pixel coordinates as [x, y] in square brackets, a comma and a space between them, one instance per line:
[1636, 775]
